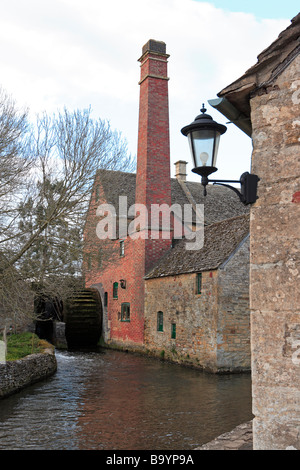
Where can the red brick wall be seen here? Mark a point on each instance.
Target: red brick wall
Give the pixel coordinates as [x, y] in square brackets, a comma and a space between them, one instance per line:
[132, 332]
[113, 268]
[153, 186]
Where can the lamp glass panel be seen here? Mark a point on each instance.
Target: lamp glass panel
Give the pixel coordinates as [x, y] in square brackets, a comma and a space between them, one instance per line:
[204, 145]
[216, 148]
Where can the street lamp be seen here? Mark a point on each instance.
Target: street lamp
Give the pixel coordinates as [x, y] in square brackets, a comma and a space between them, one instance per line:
[204, 137]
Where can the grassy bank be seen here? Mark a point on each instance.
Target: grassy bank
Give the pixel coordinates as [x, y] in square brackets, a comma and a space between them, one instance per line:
[23, 344]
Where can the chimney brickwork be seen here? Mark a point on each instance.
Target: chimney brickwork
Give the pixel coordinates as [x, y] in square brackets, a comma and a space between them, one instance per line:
[153, 182]
[153, 186]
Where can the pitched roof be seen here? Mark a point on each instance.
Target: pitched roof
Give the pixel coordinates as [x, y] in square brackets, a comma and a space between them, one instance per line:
[219, 204]
[270, 63]
[220, 241]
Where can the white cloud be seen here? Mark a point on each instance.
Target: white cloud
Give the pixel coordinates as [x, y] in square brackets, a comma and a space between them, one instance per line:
[84, 52]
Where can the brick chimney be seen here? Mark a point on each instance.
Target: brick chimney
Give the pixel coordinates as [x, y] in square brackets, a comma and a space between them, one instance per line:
[153, 182]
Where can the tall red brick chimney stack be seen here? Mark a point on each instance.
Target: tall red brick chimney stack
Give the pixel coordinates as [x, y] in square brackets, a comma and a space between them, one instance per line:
[153, 183]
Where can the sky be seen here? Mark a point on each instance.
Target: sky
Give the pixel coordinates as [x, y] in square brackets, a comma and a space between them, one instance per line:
[84, 53]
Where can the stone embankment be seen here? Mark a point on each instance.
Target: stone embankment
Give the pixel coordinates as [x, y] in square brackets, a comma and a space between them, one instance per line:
[240, 438]
[15, 375]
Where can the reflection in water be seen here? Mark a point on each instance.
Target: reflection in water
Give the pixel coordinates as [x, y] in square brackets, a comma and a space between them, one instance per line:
[113, 400]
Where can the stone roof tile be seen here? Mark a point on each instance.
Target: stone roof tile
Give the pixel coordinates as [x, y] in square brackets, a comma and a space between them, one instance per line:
[219, 204]
[220, 241]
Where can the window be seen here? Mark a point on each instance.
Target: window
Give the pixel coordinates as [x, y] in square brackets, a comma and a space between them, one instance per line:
[199, 283]
[122, 248]
[105, 299]
[99, 258]
[89, 261]
[125, 312]
[97, 196]
[160, 321]
[115, 290]
[173, 330]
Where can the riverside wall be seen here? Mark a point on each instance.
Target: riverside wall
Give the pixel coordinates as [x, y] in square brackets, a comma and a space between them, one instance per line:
[16, 375]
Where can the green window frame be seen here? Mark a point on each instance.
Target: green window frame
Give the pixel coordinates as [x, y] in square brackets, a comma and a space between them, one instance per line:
[199, 283]
[125, 311]
[173, 330]
[99, 257]
[122, 248]
[115, 290]
[89, 261]
[160, 321]
[97, 195]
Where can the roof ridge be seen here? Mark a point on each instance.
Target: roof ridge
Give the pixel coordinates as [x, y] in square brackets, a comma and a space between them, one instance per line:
[114, 171]
[229, 219]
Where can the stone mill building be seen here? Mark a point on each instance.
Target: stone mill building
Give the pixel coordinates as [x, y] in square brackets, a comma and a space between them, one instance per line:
[158, 297]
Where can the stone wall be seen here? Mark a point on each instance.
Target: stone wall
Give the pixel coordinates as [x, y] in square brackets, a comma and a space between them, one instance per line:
[275, 261]
[60, 335]
[15, 375]
[212, 328]
[195, 317]
[233, 349]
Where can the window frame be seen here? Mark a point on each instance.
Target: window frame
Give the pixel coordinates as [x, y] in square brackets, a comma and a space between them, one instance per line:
[97, 193]
[115, 290]
[160, 321]
[199, 283]
[173, 330]
[99, 257]
[122, 248]
[126, 317]
[89, 261]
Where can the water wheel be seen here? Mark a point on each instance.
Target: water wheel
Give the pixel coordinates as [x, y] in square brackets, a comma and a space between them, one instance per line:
[83, 318]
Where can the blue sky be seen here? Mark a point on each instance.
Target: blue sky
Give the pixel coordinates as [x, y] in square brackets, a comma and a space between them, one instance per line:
[261, 8]
[81, 53]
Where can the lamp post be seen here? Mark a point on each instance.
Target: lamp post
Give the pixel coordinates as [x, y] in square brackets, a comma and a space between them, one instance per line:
[204, 137]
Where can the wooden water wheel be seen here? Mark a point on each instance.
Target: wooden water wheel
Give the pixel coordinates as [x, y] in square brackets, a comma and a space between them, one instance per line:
[83, 318]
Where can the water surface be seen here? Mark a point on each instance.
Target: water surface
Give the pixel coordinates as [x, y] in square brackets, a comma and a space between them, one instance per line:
[117, 401]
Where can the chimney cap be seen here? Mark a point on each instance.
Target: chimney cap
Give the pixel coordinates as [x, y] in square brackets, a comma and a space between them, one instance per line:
[154, 46]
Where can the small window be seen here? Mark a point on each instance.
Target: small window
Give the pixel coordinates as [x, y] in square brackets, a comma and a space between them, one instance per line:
[99, 258]
[89, 261]
[160, 321]
[199, 283]
[115, 290]
[125, 312]
[105, 299]
[173, 330]
[122, 248]
[97, 196]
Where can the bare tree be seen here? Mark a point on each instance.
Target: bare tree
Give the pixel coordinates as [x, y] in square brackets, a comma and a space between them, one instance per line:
[15, 161]
[68, 149]
[15, 165]
[49, 189]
